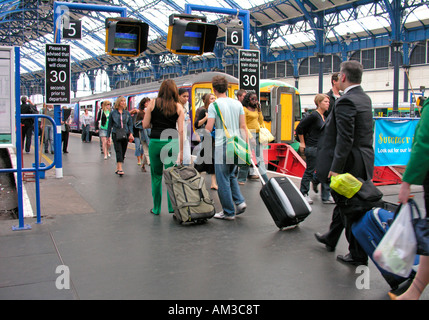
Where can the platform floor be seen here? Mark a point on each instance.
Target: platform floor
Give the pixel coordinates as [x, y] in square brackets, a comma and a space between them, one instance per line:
[97, 224]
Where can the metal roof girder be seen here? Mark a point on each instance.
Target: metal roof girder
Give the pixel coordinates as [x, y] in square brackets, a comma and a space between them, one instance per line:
[150, 23]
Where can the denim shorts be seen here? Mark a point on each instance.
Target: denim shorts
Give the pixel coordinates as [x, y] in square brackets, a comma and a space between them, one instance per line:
[102, 133]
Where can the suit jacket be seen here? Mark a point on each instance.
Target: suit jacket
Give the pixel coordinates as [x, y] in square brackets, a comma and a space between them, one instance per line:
[346, 144]
[27, 108]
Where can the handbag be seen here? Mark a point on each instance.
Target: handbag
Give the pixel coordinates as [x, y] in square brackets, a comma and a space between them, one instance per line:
[265, 135]
[121, 133]
[421, 229]
[367, 197]
[237, 150]
[368, 191]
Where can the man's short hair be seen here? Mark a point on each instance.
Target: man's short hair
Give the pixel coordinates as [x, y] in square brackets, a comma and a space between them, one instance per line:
[334, 77]
[24, 99]
[240, 92]
[353, 71]
[220, 84]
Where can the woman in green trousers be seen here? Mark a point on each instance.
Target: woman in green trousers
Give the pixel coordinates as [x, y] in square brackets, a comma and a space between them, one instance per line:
[165, 117]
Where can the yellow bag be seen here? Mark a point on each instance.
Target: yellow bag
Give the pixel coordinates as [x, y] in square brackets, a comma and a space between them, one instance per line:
[265, 135]
[345, 184]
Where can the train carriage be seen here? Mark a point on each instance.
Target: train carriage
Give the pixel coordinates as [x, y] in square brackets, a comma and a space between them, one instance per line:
[280, 102]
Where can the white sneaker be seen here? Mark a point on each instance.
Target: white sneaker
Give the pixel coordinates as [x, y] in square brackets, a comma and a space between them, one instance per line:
[329, 201]
[221, 215]
[240, 208]
[309, 200]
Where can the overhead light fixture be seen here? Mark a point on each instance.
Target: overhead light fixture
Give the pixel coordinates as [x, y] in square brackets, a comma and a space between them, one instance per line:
[348, 39]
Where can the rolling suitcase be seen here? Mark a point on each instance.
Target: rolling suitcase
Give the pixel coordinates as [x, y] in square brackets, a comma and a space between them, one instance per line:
[369, 231]
[285, 203]
[188, 194]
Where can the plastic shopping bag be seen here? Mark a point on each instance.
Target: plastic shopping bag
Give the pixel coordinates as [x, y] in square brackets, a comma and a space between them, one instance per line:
[397, 250]
[345, 184]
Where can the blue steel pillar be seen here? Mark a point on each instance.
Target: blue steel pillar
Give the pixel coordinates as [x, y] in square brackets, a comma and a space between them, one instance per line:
[60, 9]
[21, 225]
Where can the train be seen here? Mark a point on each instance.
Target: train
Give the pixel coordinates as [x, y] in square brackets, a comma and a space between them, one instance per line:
[280, 102]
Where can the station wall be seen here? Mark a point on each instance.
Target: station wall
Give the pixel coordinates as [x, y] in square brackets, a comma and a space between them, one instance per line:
[378, 84]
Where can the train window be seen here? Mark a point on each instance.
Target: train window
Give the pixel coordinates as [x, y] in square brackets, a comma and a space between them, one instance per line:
[265, 106]
[235, 94]
[199, 93]
[297, 107]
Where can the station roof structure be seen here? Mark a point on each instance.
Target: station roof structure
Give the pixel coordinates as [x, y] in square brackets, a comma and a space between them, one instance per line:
[289, 25]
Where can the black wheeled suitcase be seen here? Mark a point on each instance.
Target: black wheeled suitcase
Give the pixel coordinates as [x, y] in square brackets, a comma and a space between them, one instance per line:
[285, 203]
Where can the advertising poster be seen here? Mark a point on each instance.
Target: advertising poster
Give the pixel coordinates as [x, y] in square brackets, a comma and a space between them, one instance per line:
[393, 140]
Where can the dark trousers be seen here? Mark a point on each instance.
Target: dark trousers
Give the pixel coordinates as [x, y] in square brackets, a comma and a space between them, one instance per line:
[65, 139]
[120, 148]
[335, 229]
[27, 134]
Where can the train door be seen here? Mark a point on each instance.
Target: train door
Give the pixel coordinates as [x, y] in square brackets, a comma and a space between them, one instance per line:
[198, 91]
[284, 103]
[131, 103]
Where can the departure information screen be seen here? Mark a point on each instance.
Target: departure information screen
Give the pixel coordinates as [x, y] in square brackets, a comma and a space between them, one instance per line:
[126, 40]
[192, 41]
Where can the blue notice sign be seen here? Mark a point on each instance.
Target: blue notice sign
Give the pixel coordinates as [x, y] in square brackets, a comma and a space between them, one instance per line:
[393, 141]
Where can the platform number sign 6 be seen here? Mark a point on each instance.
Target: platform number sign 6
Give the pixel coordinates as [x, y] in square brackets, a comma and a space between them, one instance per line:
[234, 37]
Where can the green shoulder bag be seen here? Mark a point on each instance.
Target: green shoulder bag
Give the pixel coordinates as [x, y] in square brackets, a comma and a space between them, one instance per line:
[237, 150]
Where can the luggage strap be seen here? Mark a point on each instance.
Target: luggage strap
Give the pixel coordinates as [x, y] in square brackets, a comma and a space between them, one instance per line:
[199, 187]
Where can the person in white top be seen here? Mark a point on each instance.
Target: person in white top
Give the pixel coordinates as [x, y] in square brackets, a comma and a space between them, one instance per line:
[226, 174]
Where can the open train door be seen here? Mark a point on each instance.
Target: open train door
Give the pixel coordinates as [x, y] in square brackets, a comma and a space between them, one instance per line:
[283, 100]
[280, 156]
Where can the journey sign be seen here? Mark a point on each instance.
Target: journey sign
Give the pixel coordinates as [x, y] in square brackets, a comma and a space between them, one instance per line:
[249, 70]
[57, 74]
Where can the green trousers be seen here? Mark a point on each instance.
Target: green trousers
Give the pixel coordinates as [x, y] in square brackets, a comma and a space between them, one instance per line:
[162, 154]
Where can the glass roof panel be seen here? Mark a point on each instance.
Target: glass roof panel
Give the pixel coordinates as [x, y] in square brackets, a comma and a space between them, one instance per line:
[156, 13]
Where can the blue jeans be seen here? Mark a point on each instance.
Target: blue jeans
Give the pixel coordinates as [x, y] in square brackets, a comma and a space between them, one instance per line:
[85, 133]
[244, 170]
[309, 176]
[49, 138]
[226, 176]
[138, 146]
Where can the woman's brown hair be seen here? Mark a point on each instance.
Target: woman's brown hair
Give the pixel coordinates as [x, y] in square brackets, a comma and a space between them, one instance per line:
[168, 97]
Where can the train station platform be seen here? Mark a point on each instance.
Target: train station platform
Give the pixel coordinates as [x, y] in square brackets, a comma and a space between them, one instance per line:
[98, 225]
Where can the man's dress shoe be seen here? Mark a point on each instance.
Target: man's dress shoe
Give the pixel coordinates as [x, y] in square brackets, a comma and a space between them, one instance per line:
[322, 239]
[349, 260]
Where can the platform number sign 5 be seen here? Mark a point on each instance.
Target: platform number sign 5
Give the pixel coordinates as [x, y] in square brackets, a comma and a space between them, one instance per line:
[57, 74]
[234, 37]
[73, 30]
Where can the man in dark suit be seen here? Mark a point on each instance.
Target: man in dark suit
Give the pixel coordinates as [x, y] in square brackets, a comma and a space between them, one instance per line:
[334, 93]
[347, 146]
